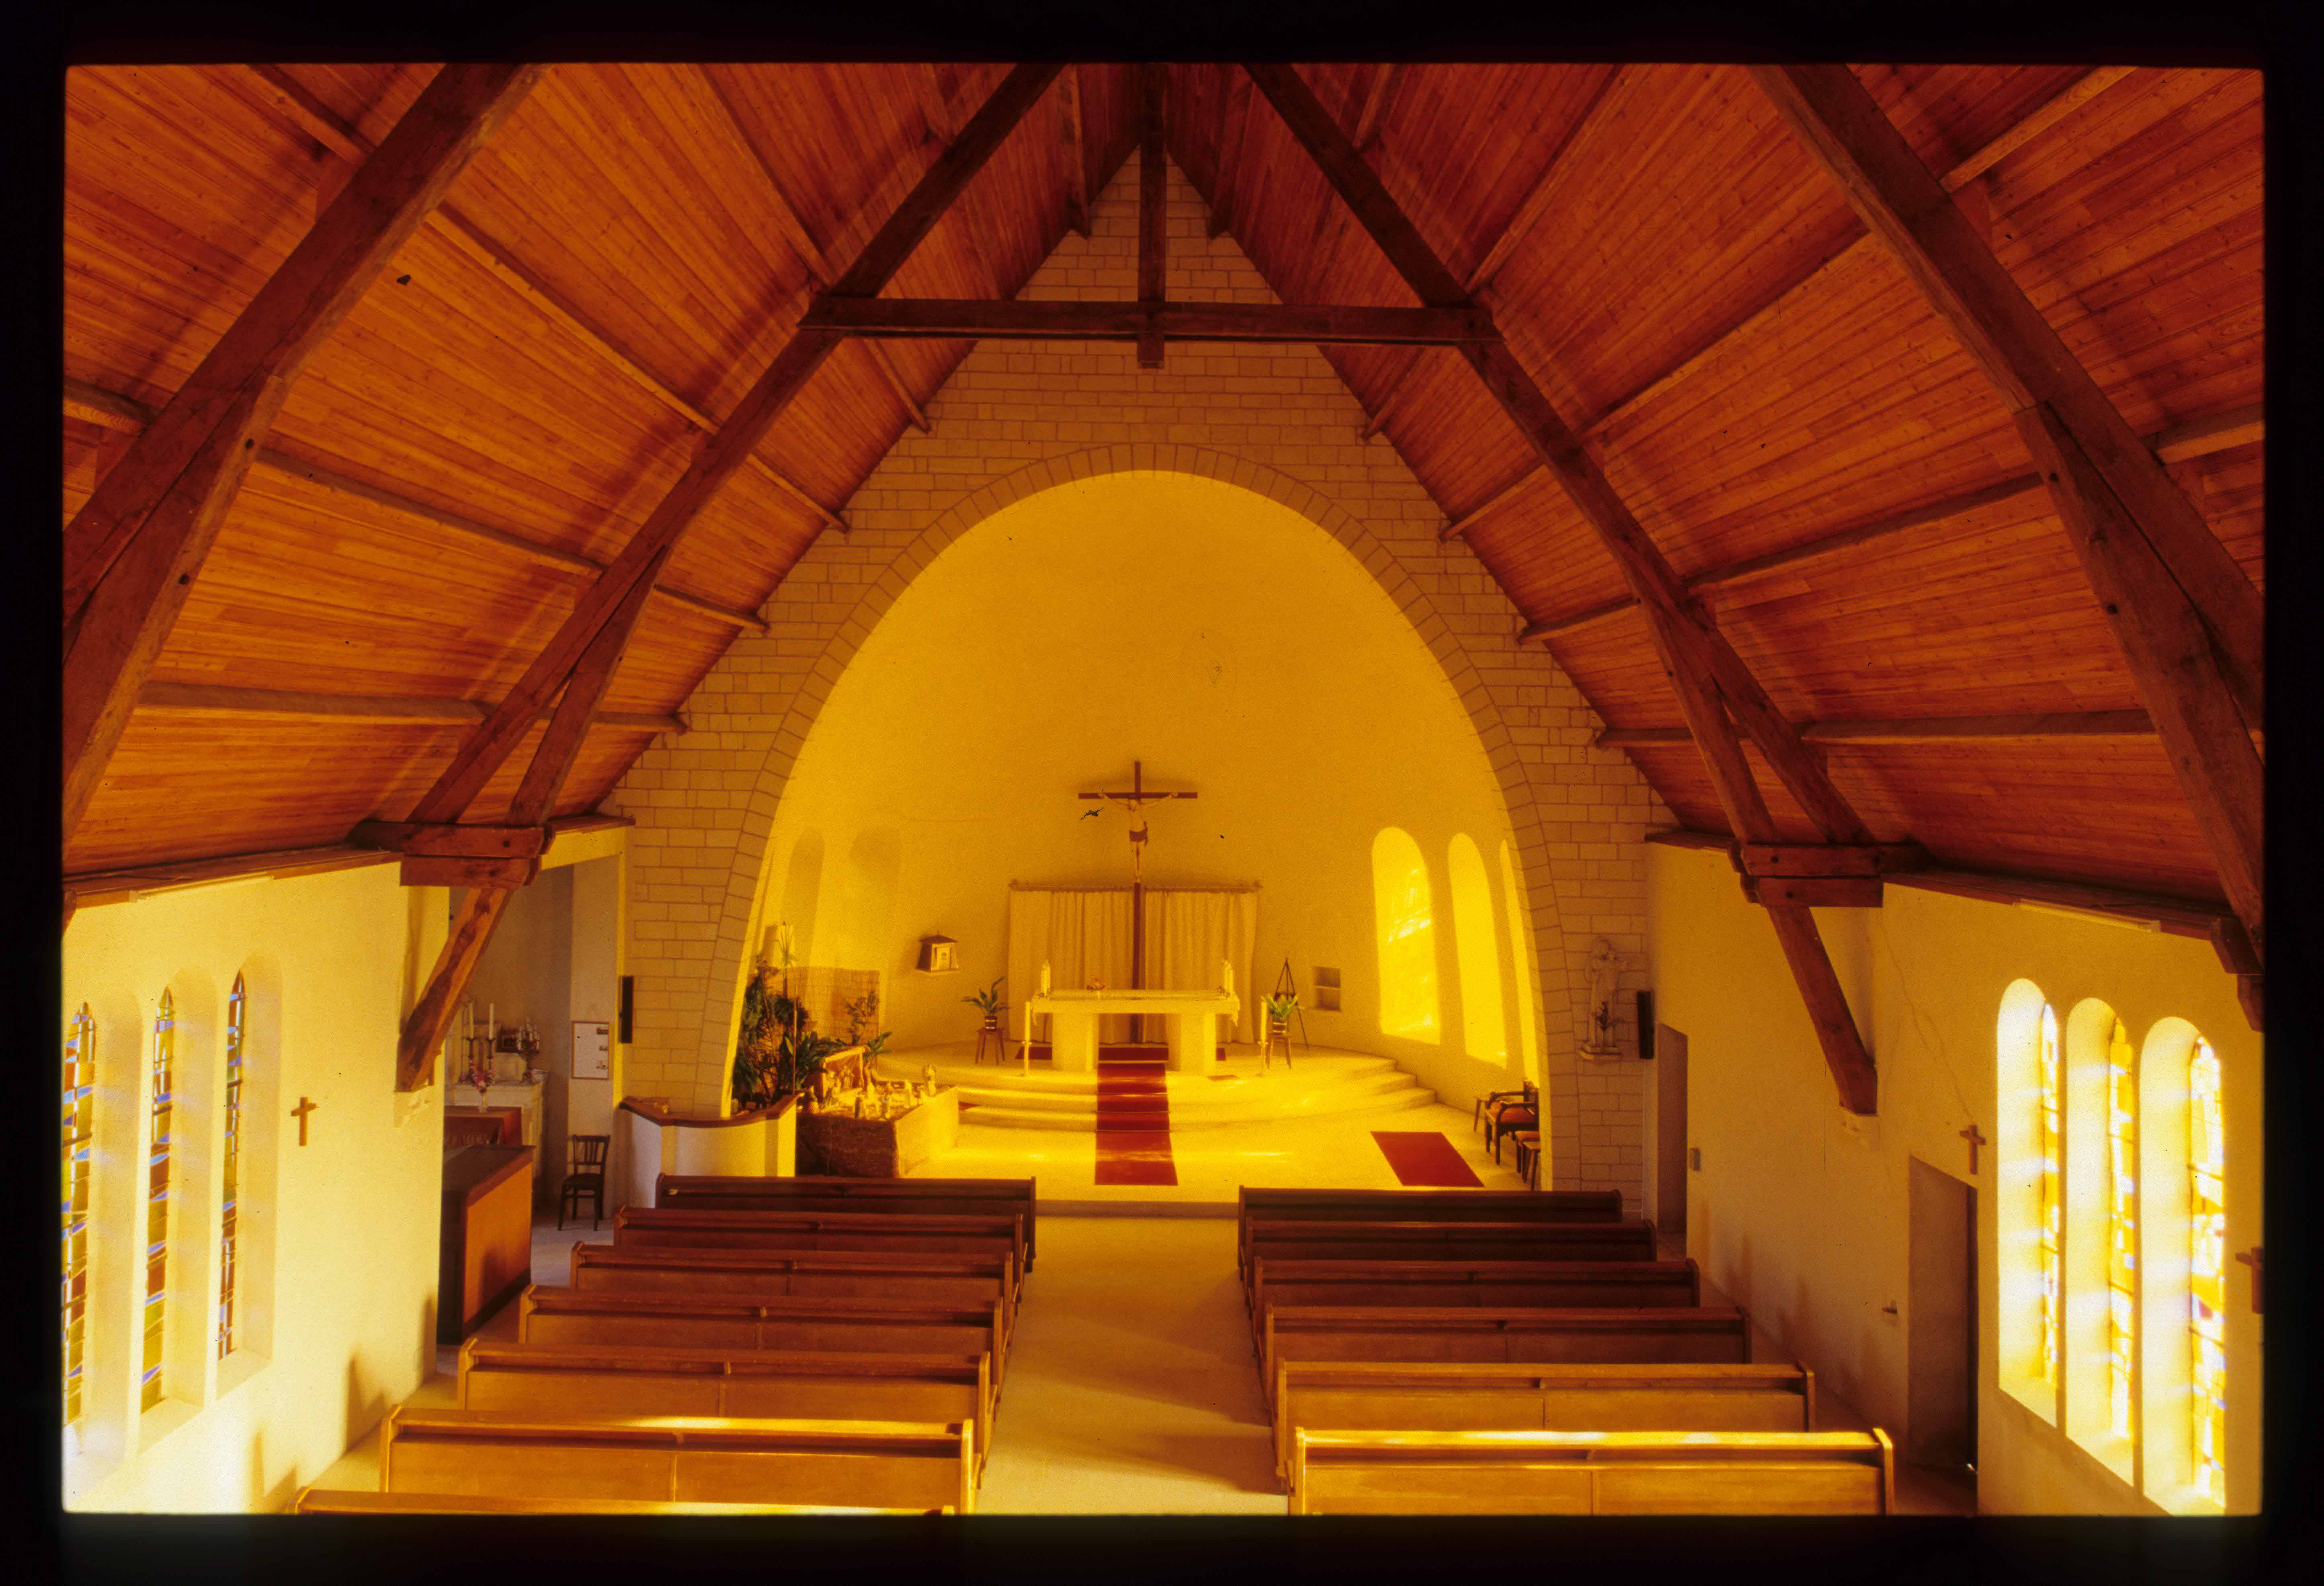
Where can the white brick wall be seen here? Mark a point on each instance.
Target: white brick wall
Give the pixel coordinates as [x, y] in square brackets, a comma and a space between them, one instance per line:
[1018, 418]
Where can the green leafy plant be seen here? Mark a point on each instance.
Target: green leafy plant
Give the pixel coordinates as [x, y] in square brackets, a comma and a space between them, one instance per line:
[776, 1048]
[988, 1000]
[1281, 1006]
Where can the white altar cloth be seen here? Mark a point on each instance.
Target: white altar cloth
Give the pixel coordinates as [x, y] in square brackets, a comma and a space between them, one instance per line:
[1073, 1024]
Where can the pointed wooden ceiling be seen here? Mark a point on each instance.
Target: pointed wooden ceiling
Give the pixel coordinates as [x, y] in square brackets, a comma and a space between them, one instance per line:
[1791, 423]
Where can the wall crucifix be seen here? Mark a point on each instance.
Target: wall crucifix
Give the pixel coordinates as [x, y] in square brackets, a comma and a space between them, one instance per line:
[1135, 799]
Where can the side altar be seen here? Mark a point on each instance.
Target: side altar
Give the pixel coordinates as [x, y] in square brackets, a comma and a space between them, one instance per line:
[1192, 1016]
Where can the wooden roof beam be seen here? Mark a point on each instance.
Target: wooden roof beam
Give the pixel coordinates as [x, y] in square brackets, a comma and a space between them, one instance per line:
[1070, 136]
[1709, 678]
[1536, 199]
[2195, 439]
[210, 699]
[1234, 131]
[2190, 622]
[948, 318]
[579, 663]
[2041, 120]
[2093, 724]
[1153, 238]
[128, 415]
[1399, 386]
[133, 550]
[471, 239]
[1379, 98]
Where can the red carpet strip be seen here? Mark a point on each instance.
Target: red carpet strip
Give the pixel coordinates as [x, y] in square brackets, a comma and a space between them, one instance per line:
[1425, 1159]
[1133, 1116]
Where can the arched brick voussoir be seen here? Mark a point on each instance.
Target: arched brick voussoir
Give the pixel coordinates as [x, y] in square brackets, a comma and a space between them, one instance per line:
[749, 876]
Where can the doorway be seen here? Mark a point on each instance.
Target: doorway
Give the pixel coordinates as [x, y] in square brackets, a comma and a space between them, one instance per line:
[1940, 1315]
[1670, 1133]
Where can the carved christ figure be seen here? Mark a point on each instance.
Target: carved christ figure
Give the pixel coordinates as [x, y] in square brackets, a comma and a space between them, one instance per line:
[1605, 966]
[1134, 799]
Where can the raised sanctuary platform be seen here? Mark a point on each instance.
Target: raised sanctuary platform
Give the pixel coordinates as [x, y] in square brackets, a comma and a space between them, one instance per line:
[1239, 1091]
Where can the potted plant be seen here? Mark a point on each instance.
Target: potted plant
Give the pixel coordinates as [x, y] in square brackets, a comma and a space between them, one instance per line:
[777, 1049]
[988, 1003]
[1279, 1008]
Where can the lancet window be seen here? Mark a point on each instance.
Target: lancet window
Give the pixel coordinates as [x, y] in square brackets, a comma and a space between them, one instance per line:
[2207, 1231]
[79, 1107]
[2053, 1203]
[229, 1199]
[2122, 1231]
[149, 1384]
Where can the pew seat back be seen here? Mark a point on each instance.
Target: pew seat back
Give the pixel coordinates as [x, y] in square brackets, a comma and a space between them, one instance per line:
[1592, 1474]
[317, 1500]
[830, 1193]
[1562, 1284]
[713, 1321]
[667, 1227]
[1450, 1241]
[783, 1273]
[879, 1464]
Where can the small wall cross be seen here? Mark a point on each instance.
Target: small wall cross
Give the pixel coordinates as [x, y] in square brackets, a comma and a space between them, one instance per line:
[299, 1112]
[1975, 1140]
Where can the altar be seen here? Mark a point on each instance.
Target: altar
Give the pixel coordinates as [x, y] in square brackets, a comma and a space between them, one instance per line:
[1193, 1017]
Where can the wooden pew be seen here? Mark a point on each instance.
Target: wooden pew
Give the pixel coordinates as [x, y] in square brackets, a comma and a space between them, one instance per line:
[317, 1500]
[775, 1274]
[668, 1228]
[825, 1192]
[1469, 1283]
[724, 1322]
[1503, 1335]
[879, 1464]
[1339, 1396]
[1418, 1206]
[566, 1380]
[1592, 1474]
[1451, 1241]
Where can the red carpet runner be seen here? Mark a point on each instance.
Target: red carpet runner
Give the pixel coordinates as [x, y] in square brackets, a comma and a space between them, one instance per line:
[1425, 1159]
[1133, 1116]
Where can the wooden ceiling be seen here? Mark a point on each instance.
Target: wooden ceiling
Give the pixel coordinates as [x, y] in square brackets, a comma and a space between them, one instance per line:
[1754, 375]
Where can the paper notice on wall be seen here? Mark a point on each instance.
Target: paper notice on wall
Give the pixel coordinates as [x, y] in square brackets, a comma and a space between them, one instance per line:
[591, 1050]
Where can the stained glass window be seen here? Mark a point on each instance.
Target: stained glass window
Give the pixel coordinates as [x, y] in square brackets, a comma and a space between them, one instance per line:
[2053, 1211]
[2121, 1230]
[228, 1200]
[157, 1214]
[79, 1105]
[2206, 1161]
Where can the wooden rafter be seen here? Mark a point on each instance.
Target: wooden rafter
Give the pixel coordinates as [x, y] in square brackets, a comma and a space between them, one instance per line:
[1234, 131]
[1710, 678]
[1760, 317]
[286, 705]
[1076, 155]
[511, 272]
[1535, 203]
[2092, 724]
[1153, 239]
[1379, 98]
[2195, 439]
[579, 663]
[947, 318]
[1399, 385]
[133, 550]
[2188, 619]
[127, 415]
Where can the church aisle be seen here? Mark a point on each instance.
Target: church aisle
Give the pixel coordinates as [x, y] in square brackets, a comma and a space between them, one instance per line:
[1131, 1389]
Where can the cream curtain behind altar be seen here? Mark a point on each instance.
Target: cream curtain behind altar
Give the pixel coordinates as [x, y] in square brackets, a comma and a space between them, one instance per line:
[1189, 932]
[1085, 933]
[1082, 934]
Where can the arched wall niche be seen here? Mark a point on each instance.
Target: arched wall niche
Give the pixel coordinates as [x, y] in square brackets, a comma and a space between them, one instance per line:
[1243, 548]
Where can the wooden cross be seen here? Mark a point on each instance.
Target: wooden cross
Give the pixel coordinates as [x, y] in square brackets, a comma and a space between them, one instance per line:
[1975, 1140]
[299, 1112]
[1134, 798]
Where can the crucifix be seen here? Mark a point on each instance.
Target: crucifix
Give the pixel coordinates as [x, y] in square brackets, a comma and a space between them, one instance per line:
[1134, 799]
[1975, 1140]
[299, 1112]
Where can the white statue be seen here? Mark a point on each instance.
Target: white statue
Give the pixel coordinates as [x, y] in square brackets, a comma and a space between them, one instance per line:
[1045, 977]
[1226, 976]
[1604, 968]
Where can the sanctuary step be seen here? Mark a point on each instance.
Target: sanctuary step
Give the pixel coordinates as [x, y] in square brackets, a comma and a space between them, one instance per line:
[1242, 1093]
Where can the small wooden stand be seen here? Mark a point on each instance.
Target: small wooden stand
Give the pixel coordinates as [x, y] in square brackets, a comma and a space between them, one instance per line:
[1278, 1030]
[988, 1034]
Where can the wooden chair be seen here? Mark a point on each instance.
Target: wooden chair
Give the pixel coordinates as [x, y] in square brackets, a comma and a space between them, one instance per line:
[1491, 1098]
[1512, 1116]
[586, 1176]
[1529, 1157]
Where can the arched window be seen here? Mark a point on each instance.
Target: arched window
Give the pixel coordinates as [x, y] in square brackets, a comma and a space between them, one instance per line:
[1483, 1031]
[1407, 930]
[157, 1213]
[2122, 1231]
[2207, 1232]
[2053, 1201]
[79, 1105]
[228, 1200]
[1521, 962]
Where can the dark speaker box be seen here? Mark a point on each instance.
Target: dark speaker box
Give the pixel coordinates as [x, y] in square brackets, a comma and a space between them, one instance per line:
[627, 984]
[1646, 1027]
